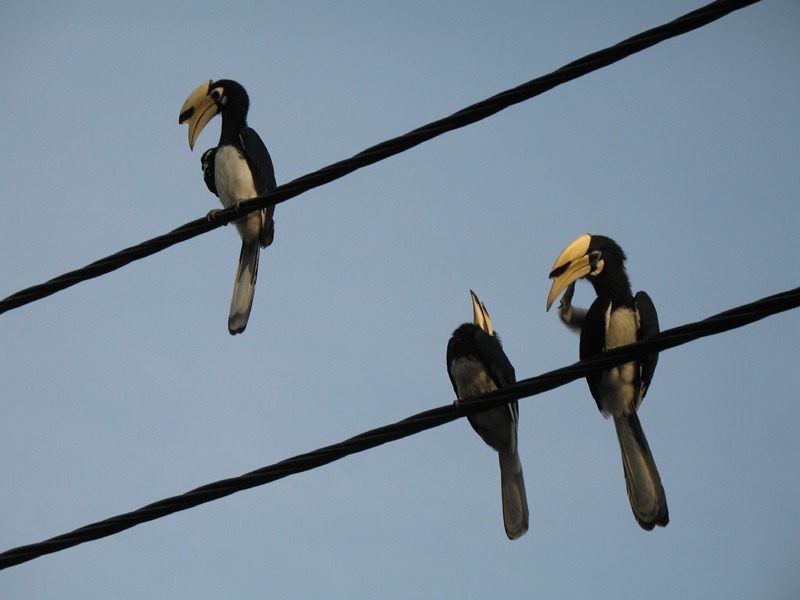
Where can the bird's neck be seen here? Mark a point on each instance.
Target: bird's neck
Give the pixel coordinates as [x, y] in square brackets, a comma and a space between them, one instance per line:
[232, 124]
[614, 284]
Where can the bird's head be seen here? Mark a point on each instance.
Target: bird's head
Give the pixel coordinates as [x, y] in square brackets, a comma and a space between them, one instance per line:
[480, 316]
[211, 98]
[587, 257]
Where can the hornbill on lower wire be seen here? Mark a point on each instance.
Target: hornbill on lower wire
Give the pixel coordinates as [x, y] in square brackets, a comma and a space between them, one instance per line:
[476, 365]
[238, 169]
[616, 318]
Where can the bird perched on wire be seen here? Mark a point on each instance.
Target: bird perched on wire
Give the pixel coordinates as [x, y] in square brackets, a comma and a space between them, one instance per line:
[238, 169]
[476, 365]
[614, 319]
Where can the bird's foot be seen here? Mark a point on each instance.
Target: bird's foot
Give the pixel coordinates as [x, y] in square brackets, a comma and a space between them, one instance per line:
[572, 317]
[566, 299]
[237, 208]
[211, 217]
[565, 305]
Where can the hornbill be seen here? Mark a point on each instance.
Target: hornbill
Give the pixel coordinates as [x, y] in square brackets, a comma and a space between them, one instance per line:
[476, 365]
[238, 169]
[616, 318]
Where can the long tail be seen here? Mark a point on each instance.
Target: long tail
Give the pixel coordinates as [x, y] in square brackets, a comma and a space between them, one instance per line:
[244, 288]
[515, 500]
[645, 492]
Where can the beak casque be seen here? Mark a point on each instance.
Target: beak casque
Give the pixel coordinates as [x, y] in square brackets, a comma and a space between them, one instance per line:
[480, 315]
[572, 264]
[197, 111]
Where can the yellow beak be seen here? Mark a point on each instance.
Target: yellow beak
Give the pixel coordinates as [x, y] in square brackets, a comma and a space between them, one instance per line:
[197, 111]
[480, 316]
[572, 264]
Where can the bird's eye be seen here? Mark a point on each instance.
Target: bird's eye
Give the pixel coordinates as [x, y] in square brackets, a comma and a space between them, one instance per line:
[596, 262]
[215, 94]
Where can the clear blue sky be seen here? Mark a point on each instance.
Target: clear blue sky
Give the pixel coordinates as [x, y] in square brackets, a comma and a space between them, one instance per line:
[127, 389]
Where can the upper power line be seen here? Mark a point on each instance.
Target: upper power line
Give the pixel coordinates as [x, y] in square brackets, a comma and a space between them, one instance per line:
[462, 118]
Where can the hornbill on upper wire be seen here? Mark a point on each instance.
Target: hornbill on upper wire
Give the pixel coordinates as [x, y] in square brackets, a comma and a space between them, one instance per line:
[238, 169]
[476, 365]
[615, 318]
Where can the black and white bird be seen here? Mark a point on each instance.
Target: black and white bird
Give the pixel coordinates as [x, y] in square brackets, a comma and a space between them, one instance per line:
[476, 365]
[238, 169]
[616, 318]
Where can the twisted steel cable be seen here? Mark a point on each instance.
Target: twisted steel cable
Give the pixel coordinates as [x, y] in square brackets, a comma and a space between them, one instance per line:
[725, 321]
[462, 118]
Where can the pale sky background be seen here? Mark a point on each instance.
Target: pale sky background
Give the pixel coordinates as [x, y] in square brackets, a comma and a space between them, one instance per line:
[128, 389]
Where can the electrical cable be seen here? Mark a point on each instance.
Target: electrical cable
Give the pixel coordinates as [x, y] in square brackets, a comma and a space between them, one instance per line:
[467, 116]
[725, 321]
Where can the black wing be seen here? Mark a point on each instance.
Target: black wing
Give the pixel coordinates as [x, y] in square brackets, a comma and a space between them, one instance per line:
[460, 345]
[498, 365]
[593, 340]
[263, 175]
[452, 351]
[495, 359]
[259, 159]
[648, 325]
[207, 164]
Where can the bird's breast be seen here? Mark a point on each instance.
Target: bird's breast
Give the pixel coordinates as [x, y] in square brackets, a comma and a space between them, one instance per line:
[617, 385]
[234, 182]
[471, 377]
[232, 176]
[620, 327]
[496, 426]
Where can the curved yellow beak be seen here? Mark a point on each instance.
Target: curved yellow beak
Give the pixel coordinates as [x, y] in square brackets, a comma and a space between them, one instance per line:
[480, 316]
[572, 264]
[197, 111]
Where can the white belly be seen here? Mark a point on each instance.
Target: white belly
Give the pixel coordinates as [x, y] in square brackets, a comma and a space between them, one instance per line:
[234, 183]
[496, 426]
[617, 390]
[471, 378]
[621, 328]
